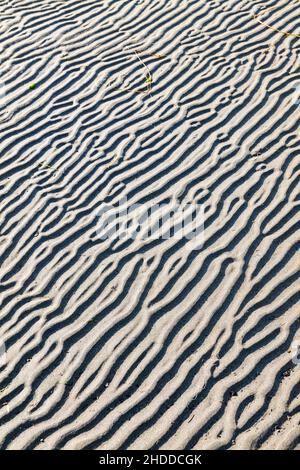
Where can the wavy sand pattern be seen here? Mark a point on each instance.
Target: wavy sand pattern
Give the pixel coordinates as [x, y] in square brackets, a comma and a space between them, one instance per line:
[141, 344]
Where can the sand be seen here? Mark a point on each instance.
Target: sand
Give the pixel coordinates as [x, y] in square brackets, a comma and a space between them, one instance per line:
[137, 342]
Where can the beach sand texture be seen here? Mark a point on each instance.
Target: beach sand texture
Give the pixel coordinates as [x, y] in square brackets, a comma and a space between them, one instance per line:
[143, 343]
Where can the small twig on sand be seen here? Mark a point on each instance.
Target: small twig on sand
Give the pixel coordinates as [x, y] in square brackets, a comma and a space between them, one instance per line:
[148, 76]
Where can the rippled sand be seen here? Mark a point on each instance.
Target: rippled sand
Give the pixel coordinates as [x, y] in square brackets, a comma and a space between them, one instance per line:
[141, 343]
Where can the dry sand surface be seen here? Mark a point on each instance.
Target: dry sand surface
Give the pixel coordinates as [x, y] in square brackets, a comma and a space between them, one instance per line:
[139, 342]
